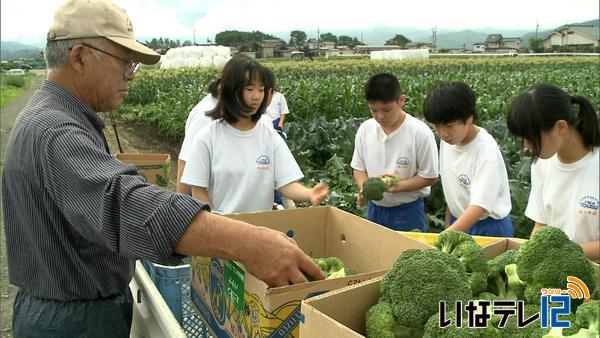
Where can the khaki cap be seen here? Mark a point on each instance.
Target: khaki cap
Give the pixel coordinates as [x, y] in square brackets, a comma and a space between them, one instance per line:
[80, 19]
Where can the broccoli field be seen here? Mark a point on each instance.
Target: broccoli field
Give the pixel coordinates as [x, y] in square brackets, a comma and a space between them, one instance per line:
[327, 106]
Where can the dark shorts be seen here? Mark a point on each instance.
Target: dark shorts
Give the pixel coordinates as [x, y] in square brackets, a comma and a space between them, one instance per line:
[403, 217]
[104, 317]
[491, 227]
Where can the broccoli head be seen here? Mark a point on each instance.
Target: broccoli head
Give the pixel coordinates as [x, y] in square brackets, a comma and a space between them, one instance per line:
[511, 329]
[498, 280]
[461, 245]
[380, 321]
[333, 267]
[448, 240]
[418, 281]
[433, 329]
[588, 316]
[547, 260]
[374, 187]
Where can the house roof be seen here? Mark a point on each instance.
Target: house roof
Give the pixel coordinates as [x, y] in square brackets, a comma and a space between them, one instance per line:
[510, 39]
[591, 31]
[493, 38]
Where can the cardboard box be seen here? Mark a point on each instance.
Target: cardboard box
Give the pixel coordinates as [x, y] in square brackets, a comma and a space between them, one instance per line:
[259, 311]
[153, 167]
[430, 238]
[341, 313]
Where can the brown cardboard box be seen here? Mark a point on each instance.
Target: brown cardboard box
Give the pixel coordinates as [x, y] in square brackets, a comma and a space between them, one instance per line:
[366, 247]
[153, 167]
[341, 313]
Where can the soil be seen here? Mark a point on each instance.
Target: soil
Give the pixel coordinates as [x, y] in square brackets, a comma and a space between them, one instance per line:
[134, 137]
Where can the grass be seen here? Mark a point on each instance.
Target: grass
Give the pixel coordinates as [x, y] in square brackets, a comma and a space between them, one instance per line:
[9, 91]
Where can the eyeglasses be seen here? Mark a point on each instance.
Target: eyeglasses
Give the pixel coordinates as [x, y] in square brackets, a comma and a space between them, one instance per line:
[132, 66]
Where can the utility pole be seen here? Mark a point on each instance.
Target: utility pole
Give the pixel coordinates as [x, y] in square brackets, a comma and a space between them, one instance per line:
[194, 35]
[537, 26]
[434, 37]
[318, 41]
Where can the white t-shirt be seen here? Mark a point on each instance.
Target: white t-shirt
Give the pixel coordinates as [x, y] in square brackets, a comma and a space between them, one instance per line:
[196, 120]
[475, 174]
[208, 103]
[565, 195]
[277, 107]
[240, 168]
[408, 151]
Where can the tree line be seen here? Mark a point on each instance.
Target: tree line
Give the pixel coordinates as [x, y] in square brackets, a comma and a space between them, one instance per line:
[251, 41]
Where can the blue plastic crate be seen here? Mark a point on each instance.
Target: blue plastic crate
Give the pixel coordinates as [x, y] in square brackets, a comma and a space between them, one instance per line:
[173, 283]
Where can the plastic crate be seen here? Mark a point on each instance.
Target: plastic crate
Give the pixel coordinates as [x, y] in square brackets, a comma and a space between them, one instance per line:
[173, 283]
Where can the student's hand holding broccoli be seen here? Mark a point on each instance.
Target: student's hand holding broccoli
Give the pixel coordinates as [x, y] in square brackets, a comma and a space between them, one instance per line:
[318, 193]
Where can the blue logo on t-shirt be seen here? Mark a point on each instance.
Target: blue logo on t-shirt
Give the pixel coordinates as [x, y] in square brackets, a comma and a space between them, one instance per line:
[464, 181]
[589, 205]
[262, 162]
[402, 163]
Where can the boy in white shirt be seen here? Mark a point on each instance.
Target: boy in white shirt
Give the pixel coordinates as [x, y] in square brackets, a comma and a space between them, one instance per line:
[196, 120]
[563, 135]
[472, 169]
[394, 143]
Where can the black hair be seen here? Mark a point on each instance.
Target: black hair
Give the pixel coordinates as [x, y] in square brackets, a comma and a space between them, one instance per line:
[383, 87]
[537, 109]
[449, 101]
[238, 72]
[269, 80]
[213, 88]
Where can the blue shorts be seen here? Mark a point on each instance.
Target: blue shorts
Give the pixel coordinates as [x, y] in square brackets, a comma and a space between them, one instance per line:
[491, 227]
[403, 217]
[280, 132]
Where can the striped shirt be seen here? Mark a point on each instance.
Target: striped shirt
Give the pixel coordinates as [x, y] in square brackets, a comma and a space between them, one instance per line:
[75, 217]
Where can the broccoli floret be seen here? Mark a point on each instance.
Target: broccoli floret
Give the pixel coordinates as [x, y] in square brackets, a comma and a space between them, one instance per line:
[473, 258]
[374, 187]
[588, 316]
[333, 267]
[470, 254]
[433, 329]
[418, 281]
[487, 296]
[498, 281]
[448, 240]
[380, 321]
[560, 332]
[511, 330]
[548, 259]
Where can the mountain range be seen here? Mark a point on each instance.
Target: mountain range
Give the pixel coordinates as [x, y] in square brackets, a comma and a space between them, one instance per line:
[372, 36]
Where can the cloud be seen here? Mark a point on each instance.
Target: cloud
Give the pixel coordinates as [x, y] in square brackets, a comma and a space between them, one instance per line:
[28, 20]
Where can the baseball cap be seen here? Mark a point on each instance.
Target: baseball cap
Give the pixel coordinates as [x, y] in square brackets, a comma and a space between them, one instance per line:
[80, 19]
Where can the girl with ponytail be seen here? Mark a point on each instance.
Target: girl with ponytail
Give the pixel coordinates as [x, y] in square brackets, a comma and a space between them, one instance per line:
[563, 135]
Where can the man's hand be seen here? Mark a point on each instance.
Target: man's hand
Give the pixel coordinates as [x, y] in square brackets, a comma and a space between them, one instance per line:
[277, 260]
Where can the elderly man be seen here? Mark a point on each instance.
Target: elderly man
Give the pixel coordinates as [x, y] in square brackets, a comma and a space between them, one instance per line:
[77, 218]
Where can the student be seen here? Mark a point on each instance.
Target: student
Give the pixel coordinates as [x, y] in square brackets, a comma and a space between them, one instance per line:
[562, 133]
[196, 120]
[236, 161]
[472, 170]
[394, 143]
[277, 111]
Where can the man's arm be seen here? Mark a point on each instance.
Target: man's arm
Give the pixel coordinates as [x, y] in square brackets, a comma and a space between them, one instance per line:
[268, 254]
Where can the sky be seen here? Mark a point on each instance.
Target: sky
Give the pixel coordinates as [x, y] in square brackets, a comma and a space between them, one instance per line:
[27, 21]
